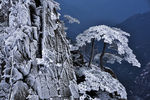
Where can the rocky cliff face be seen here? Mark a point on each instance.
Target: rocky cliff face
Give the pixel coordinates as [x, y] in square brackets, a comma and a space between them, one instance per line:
[35, 60]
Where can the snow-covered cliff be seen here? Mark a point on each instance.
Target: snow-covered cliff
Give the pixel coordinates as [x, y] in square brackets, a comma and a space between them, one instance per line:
[35, 59]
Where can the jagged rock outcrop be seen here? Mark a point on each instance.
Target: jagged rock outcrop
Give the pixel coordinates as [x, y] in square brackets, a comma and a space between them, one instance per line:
[77, 58]
[35, 61]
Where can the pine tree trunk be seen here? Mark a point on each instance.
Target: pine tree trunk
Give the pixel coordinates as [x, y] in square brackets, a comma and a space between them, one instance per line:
[102, 55]
[92, 53]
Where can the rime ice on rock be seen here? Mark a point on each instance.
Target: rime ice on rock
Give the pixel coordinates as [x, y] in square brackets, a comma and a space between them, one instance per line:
[34, 52]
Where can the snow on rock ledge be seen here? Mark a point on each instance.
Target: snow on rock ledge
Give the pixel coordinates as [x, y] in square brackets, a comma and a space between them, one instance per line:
[101, 84]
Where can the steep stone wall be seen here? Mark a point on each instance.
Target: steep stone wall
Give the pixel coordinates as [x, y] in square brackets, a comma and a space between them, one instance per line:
[35, 60]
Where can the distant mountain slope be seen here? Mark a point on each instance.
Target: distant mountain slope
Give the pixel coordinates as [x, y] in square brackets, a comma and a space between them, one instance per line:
[143, 82]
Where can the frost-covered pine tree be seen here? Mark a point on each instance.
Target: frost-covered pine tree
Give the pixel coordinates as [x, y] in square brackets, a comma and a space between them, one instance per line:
[111, 37]
[35, 61]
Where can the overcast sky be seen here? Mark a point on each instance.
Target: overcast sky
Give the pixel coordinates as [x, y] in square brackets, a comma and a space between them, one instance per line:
[94, 12]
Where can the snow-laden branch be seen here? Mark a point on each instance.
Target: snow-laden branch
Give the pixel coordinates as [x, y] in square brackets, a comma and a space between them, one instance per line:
[71, 19]
[110, 58]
